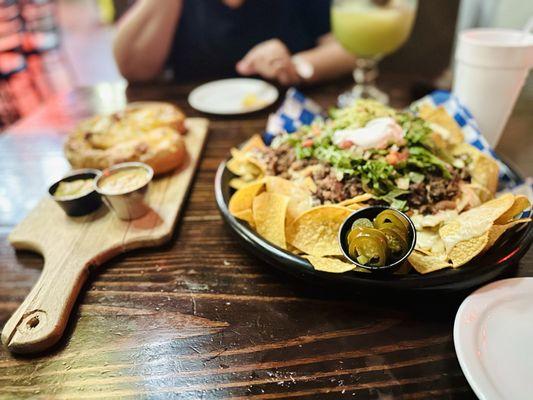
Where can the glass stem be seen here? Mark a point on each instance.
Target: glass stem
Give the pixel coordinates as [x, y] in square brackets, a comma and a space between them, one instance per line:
[365, 75]
[366, 72]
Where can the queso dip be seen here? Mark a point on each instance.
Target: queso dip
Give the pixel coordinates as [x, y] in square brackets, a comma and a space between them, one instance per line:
[124, 180]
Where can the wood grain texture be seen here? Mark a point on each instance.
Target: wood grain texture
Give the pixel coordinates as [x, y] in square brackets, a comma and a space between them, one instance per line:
[70, 245]
[198, 318]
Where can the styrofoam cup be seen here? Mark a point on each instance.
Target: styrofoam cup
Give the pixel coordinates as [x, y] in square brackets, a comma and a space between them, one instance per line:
[491, 66]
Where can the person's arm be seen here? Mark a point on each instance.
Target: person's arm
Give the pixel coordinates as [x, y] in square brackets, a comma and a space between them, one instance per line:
[144, 38]
[272, 60]
[328, 60]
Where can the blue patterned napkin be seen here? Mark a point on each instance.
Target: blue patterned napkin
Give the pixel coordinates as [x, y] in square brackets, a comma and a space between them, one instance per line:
[470, 130]
[298, 110]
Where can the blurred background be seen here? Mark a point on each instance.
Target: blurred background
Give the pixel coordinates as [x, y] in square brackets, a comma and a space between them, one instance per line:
[52, 46]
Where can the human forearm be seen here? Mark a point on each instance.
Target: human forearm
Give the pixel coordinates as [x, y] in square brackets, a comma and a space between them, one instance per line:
[144, 37]
[328, 60]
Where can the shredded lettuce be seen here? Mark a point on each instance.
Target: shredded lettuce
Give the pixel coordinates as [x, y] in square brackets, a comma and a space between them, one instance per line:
[416, 177]
[377, 175]
[425, 160]
[392, 198]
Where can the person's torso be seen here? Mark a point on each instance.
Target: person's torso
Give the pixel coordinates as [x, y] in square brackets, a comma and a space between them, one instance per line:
[211, 37]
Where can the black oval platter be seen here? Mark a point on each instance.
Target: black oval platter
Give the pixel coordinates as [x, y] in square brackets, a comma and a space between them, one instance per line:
[499, 259]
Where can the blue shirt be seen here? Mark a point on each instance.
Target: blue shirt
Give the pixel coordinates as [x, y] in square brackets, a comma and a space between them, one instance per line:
[211, 37]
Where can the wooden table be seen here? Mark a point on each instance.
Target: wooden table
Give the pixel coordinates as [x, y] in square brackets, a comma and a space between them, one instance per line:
[201, 319]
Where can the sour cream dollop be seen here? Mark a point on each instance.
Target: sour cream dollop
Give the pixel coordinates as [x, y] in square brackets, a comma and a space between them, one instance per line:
[376, 134]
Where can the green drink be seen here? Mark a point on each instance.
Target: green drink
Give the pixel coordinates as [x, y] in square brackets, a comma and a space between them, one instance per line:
[371, 29]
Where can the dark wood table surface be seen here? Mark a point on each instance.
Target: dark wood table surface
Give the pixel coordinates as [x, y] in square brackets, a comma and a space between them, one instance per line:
[201, 319]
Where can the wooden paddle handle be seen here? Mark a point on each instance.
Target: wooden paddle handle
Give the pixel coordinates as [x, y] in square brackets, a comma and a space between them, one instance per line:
[40, 320]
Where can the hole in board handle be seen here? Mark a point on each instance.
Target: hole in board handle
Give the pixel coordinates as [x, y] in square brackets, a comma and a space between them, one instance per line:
[33, 322]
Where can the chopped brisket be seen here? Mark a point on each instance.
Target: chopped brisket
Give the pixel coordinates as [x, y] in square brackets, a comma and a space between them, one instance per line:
[280, 161]
[330, 189]
[434, 194]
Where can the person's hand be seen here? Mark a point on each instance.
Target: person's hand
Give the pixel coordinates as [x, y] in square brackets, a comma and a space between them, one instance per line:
[271, 60]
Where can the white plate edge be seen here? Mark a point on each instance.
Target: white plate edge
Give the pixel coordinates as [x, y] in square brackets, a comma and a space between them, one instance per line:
[246, 111]
[457, 337]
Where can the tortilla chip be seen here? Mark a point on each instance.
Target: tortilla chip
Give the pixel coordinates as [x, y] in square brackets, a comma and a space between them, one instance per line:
[483, 168]
[245, 166]
[466, 250]
[355, 206]
[356, 200]
[327, 264]
[486, 172]
[495, 208]
[243, 198]
[269, 211]
[293, 249]
[310, 184]
[332, 265]
[245, 169]
[429, 241]
[498, 230]
[300, 198]
[433, 220]
[315, 231]
[238, 183]
[467, 235]
[247, 216]
[475, 221]
[254, 143]
[448, 129]
[426, 263]
[520, 204]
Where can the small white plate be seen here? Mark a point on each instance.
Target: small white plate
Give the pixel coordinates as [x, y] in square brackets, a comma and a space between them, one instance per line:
[233, 96]
[493, 336]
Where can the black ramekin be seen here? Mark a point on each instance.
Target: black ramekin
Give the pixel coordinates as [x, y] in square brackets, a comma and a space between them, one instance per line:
[76, 206]
[371, 212]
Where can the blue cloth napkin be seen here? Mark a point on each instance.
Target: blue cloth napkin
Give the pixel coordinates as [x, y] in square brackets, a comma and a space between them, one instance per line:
[297, 110]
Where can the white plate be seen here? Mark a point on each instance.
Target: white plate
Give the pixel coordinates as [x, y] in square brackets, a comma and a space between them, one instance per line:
[227, 96]
[493, 336]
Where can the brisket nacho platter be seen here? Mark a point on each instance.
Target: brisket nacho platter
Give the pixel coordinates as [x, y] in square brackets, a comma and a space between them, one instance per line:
[288, 200]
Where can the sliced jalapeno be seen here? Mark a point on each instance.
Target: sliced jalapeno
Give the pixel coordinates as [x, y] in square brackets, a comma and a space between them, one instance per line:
[397, 243]
[362, 222]
[371, 248]
[389, 217]
[373, 242]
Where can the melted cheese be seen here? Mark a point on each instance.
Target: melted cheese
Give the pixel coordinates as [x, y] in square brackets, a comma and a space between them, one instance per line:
[124, 181]
[471, 224]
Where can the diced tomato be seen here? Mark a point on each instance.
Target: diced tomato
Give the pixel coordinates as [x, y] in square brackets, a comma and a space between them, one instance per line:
[345, 144]
[404, 154]
[395, 157]
[307, 143]
[392, 158]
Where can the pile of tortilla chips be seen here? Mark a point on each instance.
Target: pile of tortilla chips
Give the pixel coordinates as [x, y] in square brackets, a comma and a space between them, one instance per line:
[283, 212]
[245, 166]
[455, 241]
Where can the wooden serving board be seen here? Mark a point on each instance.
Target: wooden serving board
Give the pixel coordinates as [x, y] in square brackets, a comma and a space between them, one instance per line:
[71, 245]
